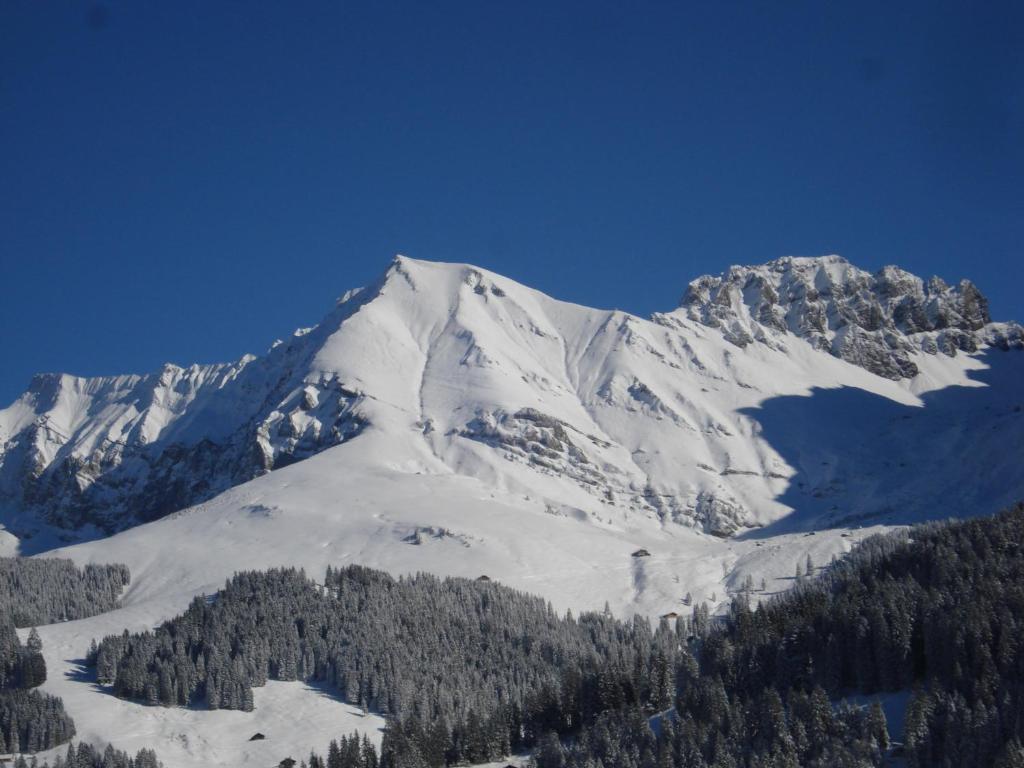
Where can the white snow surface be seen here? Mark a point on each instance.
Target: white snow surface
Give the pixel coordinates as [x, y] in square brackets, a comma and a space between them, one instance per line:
[535, 441]
[597, 413]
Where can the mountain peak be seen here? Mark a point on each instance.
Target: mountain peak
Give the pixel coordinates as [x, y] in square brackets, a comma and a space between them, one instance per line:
[877, 321]
[456, 369]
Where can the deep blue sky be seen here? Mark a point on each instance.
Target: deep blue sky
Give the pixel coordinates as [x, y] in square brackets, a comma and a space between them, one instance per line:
[186, 181]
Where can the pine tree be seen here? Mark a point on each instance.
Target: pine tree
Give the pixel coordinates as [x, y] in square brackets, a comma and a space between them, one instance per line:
[549, 752]
[334, 755]
[14, 736]
[877, 725]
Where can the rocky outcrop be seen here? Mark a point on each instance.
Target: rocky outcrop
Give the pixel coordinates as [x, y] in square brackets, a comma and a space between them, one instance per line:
[113, 484]
[111, 452]
[539, 440]
[880, 322]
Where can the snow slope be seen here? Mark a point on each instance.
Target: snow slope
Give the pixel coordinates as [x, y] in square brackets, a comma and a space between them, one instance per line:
[339, 508]
[447, 419]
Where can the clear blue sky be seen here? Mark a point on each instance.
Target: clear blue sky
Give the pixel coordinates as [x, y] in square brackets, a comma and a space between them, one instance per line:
[186, 181]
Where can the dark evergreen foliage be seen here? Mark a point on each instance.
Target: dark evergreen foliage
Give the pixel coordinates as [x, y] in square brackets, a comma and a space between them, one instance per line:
[353, 751]
[44, 590]
[21, 666]
[939, 608]
[467, 669]
[88, 756]
[29, 721]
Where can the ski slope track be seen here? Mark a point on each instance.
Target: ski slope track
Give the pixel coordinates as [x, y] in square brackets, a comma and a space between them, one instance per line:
[450, 420]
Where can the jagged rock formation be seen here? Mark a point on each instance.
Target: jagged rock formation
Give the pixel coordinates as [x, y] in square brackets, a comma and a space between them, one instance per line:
[113, 451]
[539, 440]
[879, 321]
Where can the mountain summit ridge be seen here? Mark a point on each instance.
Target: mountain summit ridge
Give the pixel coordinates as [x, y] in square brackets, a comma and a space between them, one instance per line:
[597, 412]
[878, 321]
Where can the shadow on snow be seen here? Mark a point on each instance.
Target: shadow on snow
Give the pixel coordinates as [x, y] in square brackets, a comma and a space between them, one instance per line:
[862, 459]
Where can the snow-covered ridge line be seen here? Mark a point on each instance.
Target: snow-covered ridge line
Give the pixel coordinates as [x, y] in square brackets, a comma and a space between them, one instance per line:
[594, 413]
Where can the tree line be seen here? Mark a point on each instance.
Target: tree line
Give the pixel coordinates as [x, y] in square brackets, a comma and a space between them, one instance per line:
[43, 591]
[937, 610]
[47, 590]
[29, 720]
[471, 671]
[87, 756]
[352, 751]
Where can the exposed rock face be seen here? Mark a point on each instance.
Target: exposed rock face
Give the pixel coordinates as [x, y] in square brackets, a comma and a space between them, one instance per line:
[1005, 336]
[879, 322]
[114, 451]
[551, 446]
[536, 438]
[114, 478]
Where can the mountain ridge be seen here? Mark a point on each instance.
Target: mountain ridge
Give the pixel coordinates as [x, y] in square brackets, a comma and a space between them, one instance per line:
[874, 320]
[488, 373]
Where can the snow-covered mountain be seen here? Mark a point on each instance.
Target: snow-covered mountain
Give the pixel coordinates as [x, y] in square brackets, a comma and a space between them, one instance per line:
[594, 414]
[449, 420]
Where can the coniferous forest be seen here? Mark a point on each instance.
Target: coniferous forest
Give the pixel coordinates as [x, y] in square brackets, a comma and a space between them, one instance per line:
[84, 755]
[483, 668]
[29, 720]
[937, 610]
[47, 590]
[43, 591]
[469, 671]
